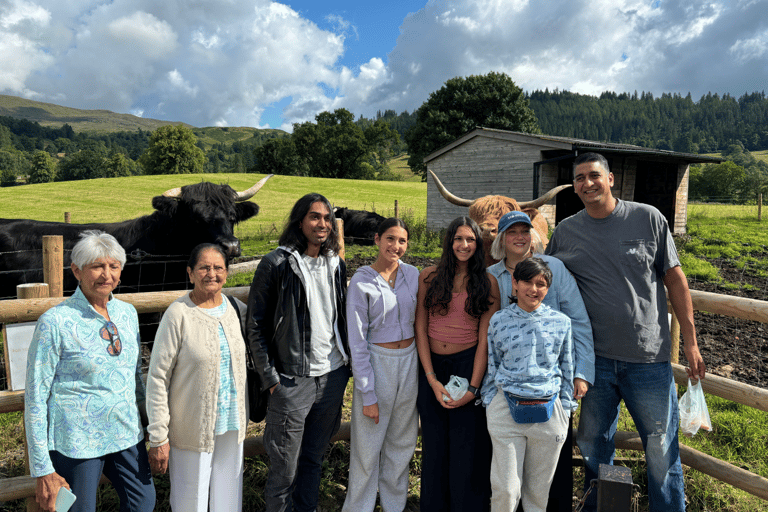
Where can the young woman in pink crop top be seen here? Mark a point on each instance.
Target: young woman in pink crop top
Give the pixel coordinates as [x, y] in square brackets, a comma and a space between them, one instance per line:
[455, 302]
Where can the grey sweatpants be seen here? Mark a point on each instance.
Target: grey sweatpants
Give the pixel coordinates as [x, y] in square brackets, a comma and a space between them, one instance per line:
[524, 456]
[379, 454]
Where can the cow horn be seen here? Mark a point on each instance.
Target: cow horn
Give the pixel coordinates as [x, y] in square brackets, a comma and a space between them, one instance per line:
[542, 199]
[447, 195]
[466, 202]
[174, 192]
[247, 194]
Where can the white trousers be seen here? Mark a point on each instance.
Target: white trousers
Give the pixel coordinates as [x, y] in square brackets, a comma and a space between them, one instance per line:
[379, 454]
[524, 456]
[200, 480]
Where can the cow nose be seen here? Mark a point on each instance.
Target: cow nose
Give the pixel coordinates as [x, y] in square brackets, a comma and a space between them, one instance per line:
[231, 247]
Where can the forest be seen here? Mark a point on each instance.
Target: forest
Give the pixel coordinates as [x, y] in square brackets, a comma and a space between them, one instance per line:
[339, 145]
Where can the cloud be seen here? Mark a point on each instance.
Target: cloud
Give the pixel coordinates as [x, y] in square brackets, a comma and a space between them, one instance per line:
[224, 62]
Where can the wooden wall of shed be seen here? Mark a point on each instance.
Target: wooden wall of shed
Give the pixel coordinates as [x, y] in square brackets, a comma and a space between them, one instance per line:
[479, 167]
[547, 182]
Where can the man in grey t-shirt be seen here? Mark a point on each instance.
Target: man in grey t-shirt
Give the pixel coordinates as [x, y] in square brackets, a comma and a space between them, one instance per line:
[622, 255]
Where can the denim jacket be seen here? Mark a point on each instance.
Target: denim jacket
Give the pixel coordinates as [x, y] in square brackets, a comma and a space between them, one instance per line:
[563, 296]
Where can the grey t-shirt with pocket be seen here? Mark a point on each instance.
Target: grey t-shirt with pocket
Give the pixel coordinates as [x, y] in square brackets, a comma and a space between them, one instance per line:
[619, 263]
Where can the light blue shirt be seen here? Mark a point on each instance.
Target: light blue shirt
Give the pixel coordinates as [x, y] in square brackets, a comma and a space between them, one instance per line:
[563, 296]
[227, 416]
[530, 355]
[79, 400]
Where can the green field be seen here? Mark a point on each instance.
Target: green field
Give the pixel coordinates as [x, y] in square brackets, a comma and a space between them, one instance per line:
[732, 232]
[116, 199]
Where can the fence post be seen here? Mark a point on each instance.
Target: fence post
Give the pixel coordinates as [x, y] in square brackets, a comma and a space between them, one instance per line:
[340, 229]
[53, 264]
[759, 207]
[397, 210]
[67, 218]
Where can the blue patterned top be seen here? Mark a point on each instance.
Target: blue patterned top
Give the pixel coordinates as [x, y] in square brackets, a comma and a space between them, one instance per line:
[79, 400]
[530, 355]
[227, 416]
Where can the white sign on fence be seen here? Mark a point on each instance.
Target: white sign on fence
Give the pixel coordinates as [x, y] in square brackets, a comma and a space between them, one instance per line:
[17, 339]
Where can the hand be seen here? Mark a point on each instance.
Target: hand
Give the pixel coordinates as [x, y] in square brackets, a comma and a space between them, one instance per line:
[455, 404]
[696, 367]
[580, 387]
[158, 458]
[273, 388]
[46, 489]
[372, 411]
[439, 391]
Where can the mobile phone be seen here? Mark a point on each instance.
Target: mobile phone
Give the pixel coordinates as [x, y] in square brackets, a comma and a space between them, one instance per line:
[64, 499]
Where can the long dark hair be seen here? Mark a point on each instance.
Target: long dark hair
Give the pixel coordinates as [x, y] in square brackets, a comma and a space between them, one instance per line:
[439, 295]
[294, 238]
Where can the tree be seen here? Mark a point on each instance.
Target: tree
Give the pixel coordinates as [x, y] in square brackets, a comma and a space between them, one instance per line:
[10, 166]
[42, 168]
[335, 146]
[119, 165]
[172, 150]
[86, 164]
[278, 156]
[461, 105]
[717, 182]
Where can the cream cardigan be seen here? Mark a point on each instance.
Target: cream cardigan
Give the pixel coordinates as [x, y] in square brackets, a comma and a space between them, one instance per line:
[183, 378]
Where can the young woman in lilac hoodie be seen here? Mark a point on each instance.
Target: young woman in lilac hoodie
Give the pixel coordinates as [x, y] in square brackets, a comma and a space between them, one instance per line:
[381, 306]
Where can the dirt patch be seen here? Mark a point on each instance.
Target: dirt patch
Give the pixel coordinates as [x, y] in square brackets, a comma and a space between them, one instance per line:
[731, 347]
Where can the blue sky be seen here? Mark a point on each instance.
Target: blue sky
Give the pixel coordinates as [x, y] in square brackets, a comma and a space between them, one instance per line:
[263, 63]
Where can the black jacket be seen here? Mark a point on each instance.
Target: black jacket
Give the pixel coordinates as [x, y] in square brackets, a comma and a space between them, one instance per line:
[278, 326]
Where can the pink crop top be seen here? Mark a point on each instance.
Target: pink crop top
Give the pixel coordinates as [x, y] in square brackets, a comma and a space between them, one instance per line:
[457, 326]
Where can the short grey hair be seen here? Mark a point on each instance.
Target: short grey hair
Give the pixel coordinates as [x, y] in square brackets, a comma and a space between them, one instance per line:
[95, 244]
[498, 251]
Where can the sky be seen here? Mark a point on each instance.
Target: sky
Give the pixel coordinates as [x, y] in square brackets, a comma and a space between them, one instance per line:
[266, 64]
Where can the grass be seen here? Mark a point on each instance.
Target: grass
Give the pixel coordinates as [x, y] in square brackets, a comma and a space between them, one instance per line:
[117, 199]
[739, 435]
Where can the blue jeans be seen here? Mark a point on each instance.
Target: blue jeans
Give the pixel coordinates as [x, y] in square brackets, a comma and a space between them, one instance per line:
[302, 416]
[128, 470]
[649, 392]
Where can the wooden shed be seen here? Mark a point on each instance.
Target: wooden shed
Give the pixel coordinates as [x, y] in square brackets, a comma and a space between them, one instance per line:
[488, 161]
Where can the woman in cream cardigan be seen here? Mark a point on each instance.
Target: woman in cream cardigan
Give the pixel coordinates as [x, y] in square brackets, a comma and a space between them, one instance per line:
[196, 398]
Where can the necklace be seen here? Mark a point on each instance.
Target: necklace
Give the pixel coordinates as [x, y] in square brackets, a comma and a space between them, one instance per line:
[392, 276]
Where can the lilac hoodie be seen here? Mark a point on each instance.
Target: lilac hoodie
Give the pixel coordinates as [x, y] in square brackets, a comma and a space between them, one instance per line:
[376, 313]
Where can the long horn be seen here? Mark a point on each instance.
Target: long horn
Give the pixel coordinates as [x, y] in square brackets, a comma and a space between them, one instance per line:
[543, 199]
[247, 194]
[174, 192]
[448, 196]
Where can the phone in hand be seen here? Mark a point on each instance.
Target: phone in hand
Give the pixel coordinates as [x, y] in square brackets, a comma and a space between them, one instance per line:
[64, 499]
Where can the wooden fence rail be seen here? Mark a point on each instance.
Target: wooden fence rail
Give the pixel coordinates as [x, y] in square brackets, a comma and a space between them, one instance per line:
[28, 310]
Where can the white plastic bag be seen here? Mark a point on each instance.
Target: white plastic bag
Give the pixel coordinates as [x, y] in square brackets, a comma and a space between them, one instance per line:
[457, 387]
[694, 414]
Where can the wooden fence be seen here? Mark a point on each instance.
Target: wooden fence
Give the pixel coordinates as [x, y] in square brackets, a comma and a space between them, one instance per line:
[27, 310]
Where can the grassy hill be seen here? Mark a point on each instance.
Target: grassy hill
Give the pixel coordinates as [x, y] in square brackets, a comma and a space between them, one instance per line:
[55, 116]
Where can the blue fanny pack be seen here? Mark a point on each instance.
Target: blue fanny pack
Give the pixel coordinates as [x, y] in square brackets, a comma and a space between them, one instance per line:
[530, 410]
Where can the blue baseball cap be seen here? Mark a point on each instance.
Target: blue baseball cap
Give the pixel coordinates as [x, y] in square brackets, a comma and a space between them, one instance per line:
[510, 218]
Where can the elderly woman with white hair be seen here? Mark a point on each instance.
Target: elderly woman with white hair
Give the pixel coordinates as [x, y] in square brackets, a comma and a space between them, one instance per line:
[84, 390]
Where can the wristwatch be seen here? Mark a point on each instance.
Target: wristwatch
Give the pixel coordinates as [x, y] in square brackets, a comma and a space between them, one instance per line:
[474, 391]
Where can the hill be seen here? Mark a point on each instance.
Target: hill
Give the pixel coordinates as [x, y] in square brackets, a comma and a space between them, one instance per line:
[55, 116]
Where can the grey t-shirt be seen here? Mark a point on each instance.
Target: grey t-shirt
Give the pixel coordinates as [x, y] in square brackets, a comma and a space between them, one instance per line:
[619, 263]
[325, 356]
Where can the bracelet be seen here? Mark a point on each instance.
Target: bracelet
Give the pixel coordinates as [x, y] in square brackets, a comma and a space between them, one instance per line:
[432, 373]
